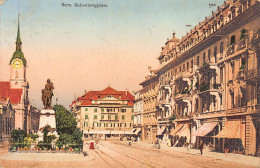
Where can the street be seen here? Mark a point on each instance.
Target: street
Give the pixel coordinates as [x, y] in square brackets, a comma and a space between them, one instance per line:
[113, 154]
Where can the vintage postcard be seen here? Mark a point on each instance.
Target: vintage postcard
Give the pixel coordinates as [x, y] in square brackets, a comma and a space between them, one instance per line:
[136, 84]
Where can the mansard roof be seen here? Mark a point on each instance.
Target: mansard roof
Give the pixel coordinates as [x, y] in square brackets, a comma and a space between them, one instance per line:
[87, 98]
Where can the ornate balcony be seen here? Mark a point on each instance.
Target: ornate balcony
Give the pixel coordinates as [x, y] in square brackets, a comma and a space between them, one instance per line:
[231, 49]
[241, 74]
[207, 88]
[183, 95]
[241, 44]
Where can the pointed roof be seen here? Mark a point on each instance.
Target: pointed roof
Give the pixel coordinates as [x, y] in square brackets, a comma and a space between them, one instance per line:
[108, 90]
[18, 52]
[18, 39]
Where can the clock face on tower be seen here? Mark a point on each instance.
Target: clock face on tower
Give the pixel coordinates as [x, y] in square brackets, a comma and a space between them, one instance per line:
[17, 63]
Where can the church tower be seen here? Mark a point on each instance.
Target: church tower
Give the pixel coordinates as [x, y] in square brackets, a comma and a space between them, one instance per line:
[18, 65]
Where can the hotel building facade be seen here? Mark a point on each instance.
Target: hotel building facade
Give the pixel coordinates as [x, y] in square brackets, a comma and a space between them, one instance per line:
[107, 112]
[209, 83]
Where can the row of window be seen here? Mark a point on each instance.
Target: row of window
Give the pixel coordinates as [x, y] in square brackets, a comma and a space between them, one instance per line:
[205, 57]
[110, 110]
[107, 124]
[109, 117]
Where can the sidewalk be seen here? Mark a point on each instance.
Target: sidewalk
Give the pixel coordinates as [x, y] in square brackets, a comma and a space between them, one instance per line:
[230, 157]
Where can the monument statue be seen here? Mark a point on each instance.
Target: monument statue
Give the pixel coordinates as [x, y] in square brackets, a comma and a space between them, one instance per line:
[47, 94]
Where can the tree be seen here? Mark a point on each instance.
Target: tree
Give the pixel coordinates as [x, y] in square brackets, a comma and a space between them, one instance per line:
[65, 121]
[66, 126]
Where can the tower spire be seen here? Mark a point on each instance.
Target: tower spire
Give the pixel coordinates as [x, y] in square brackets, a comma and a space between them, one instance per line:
[18, 39]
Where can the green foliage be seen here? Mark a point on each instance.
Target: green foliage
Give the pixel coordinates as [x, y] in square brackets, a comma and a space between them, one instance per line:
[185, 91]
[45, 133]
[77, 135]
[18, 135]
[204, 87]
[67, 128]
[173, 117]
[243, 64]
[216, 86]
[243, 32]
[65, 122]
[32, 136]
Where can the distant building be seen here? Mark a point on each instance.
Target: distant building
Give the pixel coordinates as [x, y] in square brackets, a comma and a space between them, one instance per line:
[149, 94]
[16, 90]
[138, 112]
[107, 112]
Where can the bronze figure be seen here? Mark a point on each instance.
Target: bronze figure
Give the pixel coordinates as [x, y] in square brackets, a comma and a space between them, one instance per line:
[47, 94]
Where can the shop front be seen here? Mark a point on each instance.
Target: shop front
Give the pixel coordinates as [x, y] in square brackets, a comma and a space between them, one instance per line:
[233, 136]
[181, 135]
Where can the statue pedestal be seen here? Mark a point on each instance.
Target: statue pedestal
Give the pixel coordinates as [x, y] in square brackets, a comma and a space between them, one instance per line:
[47, 119]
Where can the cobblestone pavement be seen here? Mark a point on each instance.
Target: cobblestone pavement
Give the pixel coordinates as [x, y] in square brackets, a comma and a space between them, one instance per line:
[115, 154]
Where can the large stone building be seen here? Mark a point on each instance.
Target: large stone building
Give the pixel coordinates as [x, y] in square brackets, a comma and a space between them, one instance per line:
[149, 93]
[209, 82]
[107, 112]
[16, 90]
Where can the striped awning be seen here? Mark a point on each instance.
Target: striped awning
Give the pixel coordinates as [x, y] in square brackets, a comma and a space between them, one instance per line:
[160, 130]
[184, 131]
[178, 127]
[205, 129]
[232, 129]
[137, 131]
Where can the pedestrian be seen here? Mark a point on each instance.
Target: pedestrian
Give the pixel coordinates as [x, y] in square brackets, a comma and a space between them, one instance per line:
[201, 147]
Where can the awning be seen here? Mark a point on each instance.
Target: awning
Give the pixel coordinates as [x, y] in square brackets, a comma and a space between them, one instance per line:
[117, 132]
[96, 132]
[137, 131]
[160, 131]
[233, 129]
[205, 129]
[184, 131]
[128, 132]
[178, 127]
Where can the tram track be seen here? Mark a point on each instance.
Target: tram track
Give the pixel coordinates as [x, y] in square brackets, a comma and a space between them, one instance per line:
[153, 165]
[97, 152]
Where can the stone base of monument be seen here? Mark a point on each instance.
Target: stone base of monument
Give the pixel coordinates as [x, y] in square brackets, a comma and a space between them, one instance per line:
[47, 119]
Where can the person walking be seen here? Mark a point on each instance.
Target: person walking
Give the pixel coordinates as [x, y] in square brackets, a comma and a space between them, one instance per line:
[201, 147]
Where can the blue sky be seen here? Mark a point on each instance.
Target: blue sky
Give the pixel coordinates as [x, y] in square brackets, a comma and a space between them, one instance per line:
[91, 48]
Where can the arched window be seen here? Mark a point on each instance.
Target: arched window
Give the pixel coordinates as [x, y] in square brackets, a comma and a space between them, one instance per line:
[232, 40]
[221, 48]
[209, 54]
[215, 53]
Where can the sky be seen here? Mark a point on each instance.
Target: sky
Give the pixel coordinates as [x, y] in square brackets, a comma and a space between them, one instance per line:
[85, 48]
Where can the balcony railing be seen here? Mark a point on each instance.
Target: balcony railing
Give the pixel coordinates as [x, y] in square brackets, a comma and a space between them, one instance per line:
[207, 87]
[236, 110]
[231, 49]
[241, 44]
